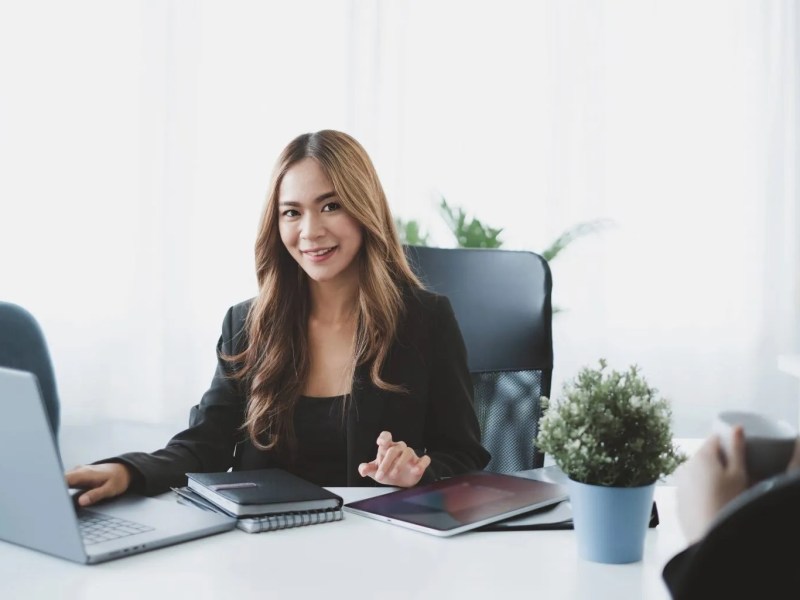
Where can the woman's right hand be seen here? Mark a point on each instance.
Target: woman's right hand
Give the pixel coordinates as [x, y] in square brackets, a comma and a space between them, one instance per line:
[100, 481]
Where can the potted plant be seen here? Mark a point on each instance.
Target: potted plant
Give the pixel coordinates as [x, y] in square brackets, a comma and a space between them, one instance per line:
[611, 434]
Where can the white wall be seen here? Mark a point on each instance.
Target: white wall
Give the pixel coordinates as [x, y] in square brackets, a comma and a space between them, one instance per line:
[137, 138]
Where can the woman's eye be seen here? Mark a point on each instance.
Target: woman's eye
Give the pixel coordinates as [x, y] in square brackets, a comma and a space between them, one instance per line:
[331, 206]
[290, 213]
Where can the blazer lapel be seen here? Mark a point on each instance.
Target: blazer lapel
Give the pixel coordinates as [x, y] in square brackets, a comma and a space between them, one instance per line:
[363, 419]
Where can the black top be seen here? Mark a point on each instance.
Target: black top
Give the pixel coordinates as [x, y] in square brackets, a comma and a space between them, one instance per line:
[321, 455]
[434, 414]
[750, 550]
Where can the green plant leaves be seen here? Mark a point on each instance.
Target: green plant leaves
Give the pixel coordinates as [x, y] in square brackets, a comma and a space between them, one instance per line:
[472, 233]
[610, 428]
[410, 232]
[572, 234]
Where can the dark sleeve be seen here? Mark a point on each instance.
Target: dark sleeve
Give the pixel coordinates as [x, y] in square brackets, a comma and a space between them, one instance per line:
[735, 564]
[208, 443]
[676, 571]
[452, 433]
[749, 554]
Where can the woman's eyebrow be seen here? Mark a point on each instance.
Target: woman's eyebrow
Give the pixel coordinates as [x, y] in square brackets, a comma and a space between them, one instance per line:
[317, 200]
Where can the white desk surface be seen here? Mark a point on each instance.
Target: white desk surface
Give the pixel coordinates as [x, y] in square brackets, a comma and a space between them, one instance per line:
[352, 559]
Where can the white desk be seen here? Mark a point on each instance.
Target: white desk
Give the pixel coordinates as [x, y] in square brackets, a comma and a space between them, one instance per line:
[353, 559]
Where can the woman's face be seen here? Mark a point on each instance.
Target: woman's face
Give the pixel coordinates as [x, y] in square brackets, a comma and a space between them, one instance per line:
[317, 232]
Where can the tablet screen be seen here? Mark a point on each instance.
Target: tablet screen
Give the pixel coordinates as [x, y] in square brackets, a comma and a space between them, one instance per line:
[460, 503]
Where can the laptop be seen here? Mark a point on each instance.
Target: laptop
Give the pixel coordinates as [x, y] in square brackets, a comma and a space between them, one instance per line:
[36, 507]
[461, 503]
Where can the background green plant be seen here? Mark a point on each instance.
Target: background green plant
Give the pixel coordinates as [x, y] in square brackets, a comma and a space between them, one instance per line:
[411, 232]
[609, 429]
[469, 233]
[572, 234]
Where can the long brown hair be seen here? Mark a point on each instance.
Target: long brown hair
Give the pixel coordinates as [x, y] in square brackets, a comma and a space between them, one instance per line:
[274, 366]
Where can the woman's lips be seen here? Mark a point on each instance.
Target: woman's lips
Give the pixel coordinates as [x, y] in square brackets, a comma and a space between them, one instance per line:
[320, 255]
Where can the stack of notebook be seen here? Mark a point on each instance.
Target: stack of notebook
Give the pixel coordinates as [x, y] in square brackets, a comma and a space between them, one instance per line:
[263, 499]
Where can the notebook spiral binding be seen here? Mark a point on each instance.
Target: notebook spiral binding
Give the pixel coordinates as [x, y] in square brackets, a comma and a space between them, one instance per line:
[288, 520]
[268, 522]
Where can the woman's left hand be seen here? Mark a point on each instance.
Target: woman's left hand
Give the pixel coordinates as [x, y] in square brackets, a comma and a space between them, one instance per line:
[395, 464]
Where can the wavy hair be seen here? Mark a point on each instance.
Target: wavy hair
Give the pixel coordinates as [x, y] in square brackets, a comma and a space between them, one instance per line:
[274, 365]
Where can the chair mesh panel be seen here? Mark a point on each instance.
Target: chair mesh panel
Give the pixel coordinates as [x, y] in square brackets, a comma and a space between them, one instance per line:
[508, 408]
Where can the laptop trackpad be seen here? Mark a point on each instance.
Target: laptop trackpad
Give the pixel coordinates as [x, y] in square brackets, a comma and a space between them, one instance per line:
[151, 523]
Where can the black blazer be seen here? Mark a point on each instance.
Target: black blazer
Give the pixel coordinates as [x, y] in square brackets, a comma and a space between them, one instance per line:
[750, 550]
[435, 416]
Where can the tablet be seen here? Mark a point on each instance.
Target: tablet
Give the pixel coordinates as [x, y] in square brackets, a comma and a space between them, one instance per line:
[460, 503]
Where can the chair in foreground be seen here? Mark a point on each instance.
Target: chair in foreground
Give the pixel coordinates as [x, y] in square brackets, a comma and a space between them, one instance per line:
[23, 347]
[501, 299]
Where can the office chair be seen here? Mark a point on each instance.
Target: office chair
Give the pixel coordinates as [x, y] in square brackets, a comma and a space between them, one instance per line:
[501, 299]
[23, 347]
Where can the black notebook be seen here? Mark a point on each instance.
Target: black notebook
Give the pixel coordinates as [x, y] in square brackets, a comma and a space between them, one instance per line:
[262, 492]
[189, 497]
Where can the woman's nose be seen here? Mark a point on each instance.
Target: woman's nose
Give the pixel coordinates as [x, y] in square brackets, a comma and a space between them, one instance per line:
[311, 226]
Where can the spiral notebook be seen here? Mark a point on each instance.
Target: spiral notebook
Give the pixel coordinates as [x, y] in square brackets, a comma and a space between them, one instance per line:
[260, 492]
[259, 524]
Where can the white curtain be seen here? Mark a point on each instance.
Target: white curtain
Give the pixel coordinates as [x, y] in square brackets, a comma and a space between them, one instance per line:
[137, 139]
[676, 121]
[137, 142]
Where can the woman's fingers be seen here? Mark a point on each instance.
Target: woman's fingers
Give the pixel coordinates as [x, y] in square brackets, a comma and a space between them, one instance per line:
[368, 469]
[422, 464]
[94, 495]
[406, 470]
[394, 459]
[411, 471]
[84, 477]
[99, 481]
[395, 463]
[384, 442]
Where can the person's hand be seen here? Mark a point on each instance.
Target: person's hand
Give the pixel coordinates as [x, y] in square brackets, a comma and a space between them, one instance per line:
[708, 481]
[395, 463]
[101, 481]
[794, 463]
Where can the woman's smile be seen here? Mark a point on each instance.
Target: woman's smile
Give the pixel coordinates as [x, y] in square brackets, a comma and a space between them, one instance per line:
[319, 255]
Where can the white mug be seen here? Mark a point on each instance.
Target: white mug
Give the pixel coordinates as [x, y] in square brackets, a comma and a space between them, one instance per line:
[769, 443]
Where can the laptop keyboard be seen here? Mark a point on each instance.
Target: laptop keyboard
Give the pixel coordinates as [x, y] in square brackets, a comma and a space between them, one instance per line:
[96, 528]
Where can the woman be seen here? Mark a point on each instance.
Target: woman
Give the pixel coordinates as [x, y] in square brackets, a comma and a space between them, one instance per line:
[341, 368]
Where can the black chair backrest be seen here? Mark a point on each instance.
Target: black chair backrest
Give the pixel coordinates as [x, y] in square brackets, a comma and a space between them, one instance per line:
[23, 347]
[502, 301]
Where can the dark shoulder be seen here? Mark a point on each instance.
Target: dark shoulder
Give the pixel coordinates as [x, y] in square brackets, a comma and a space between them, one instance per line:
[426, 315]
[234, 324]
[423, 302]
[239, 312]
